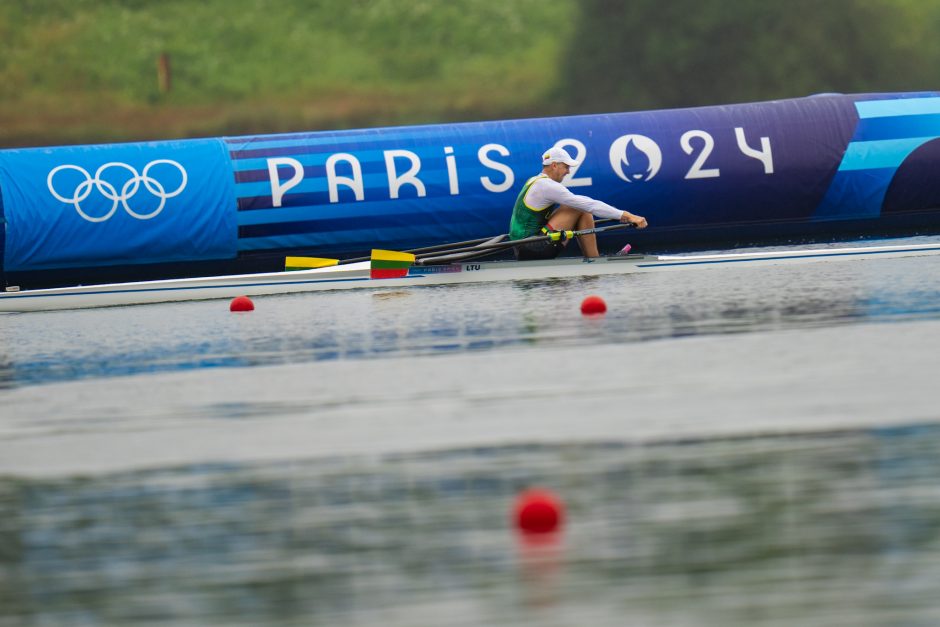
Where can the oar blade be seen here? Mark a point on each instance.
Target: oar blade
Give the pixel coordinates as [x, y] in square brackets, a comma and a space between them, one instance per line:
[390, 264]
[292, 264]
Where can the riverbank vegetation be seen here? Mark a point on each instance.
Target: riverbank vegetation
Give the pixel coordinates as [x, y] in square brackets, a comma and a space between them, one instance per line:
[91, 71]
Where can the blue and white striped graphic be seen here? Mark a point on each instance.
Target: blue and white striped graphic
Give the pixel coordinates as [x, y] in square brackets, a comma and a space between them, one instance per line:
[339, 191]
[888, 132]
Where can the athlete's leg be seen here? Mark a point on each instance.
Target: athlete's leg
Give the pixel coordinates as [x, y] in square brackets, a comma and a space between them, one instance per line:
[588, 243]
[566, 219]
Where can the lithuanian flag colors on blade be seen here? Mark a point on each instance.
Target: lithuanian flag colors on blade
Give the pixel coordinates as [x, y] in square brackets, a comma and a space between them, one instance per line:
[292, 264]
[388, 264]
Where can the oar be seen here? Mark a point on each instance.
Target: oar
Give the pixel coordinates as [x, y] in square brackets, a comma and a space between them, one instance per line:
[481, 244]
[388, 264]
[438, 247]
[468, 245]
[452, 255]
[308, 263]
[456, 245]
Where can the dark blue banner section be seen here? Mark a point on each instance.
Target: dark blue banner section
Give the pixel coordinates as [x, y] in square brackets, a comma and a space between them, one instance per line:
[783, 162]
[87, 206]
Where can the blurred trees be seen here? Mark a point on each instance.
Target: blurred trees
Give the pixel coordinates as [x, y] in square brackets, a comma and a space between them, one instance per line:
[86, 70]
[648, 54]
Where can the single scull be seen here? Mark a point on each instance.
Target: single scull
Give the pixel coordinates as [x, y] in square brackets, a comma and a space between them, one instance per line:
[358, 275]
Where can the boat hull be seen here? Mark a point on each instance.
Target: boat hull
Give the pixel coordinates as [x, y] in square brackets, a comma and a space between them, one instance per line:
[356, 276]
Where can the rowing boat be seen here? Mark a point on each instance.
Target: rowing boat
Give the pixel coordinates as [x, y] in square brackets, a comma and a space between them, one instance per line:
[359, 275]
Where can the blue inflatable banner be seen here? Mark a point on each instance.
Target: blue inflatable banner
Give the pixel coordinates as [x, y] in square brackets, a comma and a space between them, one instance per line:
[784, 162]
[117, 204]
[787, 166]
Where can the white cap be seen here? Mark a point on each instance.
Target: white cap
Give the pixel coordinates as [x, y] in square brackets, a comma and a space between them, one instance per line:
[557, 155]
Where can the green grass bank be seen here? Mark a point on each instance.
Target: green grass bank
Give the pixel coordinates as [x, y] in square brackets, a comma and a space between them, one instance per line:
[75, 71]
[89, 71]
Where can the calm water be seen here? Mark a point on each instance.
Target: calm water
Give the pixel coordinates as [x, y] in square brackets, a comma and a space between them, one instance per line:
[735, 447]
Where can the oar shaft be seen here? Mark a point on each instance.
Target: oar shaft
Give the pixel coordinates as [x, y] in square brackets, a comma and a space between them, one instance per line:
[496, 246]
[436, 248]
[452, 247]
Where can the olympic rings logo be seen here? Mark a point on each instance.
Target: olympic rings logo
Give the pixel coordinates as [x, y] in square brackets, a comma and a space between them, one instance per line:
[109, 191]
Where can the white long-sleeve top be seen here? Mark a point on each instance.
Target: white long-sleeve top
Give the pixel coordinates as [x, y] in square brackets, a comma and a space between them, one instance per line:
[544, 192]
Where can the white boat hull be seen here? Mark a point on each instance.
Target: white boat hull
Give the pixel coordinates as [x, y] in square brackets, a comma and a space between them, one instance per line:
[356, 276]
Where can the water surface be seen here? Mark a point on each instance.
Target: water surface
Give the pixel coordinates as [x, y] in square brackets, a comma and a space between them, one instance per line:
[743, 446]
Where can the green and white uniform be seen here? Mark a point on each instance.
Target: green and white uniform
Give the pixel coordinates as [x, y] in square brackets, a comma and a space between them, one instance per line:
[540, 196]
[527, 220]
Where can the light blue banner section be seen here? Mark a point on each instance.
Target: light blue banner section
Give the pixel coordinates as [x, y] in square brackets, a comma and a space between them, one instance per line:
[904, 106]
[898, 127]
[887, 153]
[855, 194]
[85, 206]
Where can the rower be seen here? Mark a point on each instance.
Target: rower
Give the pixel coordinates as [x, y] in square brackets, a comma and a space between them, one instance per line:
[545, 205]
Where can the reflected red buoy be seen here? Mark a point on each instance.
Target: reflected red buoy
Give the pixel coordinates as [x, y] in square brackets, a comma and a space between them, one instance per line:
[538, 511]
[241, 303]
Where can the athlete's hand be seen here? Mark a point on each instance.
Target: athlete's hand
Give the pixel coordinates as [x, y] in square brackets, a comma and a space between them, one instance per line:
[638, 221]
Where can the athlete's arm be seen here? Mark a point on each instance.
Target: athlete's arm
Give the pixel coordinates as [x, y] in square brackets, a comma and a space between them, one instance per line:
[545, 192]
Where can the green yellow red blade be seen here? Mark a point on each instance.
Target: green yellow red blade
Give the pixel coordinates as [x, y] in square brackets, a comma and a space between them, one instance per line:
[390, 264]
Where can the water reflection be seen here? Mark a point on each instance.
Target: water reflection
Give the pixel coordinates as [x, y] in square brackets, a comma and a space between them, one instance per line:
[839, 528]
[40, 348]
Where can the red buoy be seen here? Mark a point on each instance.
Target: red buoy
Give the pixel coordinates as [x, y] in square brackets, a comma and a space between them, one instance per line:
[593, 305]
[538, 511]
[241, 303]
